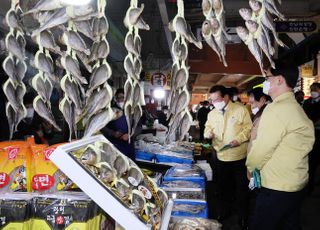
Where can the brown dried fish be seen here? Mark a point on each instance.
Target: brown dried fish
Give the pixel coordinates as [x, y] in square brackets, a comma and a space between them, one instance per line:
[14, 47]
[207, 35]
[98, 100]
[13, 20]
[99, 76]
[71, 65]
[44, 112]
[74, 40]
[182, 102]
[252, 44]
[44, 63]
[16, 71]
[14, 93]
[130, 45]
[47, 41]
[70, 87]
[181, 78]
[67, 109]
[258, 34]
[43, 86]
[85, 28]
[180, 26]
[98, 121]
[100, 27]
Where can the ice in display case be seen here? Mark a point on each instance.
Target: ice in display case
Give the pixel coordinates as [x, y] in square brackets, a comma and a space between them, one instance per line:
[115, 183]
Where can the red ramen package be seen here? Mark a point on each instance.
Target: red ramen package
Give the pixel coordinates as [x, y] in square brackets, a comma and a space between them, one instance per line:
[15, 159]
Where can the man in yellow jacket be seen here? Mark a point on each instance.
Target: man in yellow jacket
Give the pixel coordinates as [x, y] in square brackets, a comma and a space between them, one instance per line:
[229, 127]
[280, 152]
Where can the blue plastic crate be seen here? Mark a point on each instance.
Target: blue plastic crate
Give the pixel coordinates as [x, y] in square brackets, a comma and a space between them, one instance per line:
[172, 159]
[180, 173]
[189, 208]
[146, 156]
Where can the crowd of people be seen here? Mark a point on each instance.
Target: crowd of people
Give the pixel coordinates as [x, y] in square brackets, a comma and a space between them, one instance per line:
[272, 148]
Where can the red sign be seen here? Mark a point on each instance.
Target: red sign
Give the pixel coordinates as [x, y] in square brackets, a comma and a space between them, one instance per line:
[12, 152]
[42, 182]
[59, 220]
[4, 179]
[47, 153]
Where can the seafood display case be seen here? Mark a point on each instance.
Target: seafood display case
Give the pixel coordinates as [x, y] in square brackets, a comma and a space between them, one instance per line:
[115, 183]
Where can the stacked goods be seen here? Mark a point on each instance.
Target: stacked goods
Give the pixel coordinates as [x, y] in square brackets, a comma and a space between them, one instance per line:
[258, 24]
[62, 211]
[214, 28]
[25, 166]
[134, 93]
[181, 118]
[15, 67]
[186, 185]
[15, 211]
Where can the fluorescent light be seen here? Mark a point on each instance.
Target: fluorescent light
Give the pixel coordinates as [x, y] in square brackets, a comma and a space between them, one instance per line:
[159, 93]
[75, 2]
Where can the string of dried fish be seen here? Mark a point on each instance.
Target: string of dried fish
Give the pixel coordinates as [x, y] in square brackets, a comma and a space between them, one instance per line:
[15, 67]
[258, 22]
[179, 96]
[214, 28]
[134, 95]
[99, 93]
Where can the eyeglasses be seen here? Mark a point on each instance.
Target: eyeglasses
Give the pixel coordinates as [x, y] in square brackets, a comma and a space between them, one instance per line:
[270, 76]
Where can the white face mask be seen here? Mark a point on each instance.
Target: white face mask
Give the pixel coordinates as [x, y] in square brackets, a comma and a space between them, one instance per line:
[120, 104]
[219, 105]
[255, 110]
[266, 87]
[235, 98]
[314, 95]
[30, 113]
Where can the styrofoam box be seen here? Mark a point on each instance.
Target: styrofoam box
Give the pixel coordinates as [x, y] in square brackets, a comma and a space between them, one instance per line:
[96, 190]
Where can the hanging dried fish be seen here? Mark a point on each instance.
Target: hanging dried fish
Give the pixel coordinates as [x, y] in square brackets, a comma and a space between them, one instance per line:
[42, 110]
[67, 109]
[99, 76]
[252, 44]
[98, 121]
[180, 26]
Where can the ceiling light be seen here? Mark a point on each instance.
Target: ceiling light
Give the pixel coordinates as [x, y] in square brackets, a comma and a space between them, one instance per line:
[159, 93]
[75, 2]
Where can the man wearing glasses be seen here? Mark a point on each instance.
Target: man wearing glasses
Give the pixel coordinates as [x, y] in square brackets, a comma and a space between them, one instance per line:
[229, 125]
[280, 152]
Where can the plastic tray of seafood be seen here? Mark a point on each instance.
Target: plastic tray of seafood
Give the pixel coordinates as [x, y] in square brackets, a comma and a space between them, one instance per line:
[193, 176]
[177, 223]
[186, 194]
[115, 183]
[190, 208]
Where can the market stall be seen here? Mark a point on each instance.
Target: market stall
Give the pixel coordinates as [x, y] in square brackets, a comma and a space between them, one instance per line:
[63, 164]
